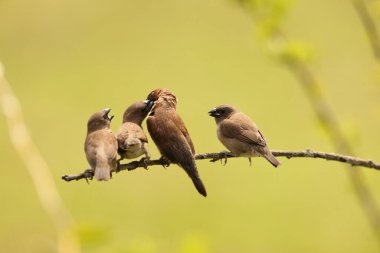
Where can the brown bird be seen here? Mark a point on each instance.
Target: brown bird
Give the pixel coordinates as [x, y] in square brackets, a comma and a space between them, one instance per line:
[239, 134]
[101, 145]
[171, 136]
[131, 139]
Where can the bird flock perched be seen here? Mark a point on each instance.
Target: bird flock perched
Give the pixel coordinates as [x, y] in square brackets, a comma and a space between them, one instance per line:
[235, 130]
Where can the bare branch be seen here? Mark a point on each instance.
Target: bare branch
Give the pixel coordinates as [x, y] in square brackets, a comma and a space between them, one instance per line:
[353, 161]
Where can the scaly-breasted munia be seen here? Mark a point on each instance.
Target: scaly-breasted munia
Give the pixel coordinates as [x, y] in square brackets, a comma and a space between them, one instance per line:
[101, 145]
[239, 134]
[131, 138]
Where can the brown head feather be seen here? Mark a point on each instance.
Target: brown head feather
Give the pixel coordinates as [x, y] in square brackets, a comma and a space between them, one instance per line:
[99, 120]
[163, 97]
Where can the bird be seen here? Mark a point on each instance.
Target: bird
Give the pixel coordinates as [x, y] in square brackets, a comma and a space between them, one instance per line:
[132, 141]
[170, 135]
[240, 135]
[101, 145]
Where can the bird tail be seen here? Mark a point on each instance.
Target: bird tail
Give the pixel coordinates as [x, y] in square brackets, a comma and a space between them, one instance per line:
[102, 174]
[270, 157]
[191, 170]
[199, 185]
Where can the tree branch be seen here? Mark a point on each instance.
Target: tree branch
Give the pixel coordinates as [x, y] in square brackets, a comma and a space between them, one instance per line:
[353, 161]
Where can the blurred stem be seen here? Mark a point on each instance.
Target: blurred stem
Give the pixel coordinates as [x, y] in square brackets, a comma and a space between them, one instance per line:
[329, 122]
[47, 192]
[308, 81]
[369, 25]
[223, 156]
[323, 111]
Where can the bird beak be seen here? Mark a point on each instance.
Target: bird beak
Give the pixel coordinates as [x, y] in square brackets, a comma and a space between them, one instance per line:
[149, 105]
[106, 114]
[214, 113]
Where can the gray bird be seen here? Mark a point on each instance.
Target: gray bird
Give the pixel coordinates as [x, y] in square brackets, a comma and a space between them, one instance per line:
[131, 138]
[101, 145]
[239, 134]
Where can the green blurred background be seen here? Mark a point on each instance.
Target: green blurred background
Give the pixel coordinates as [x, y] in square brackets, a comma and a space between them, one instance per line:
[67, 59]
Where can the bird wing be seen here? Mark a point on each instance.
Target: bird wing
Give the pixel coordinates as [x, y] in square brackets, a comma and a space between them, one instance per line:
[122, 134]
[182, 128]
[90, 148]
[130, 130]
[137, 132]
[245, 131]
[109, 145]
[171, 137]
[101, 148]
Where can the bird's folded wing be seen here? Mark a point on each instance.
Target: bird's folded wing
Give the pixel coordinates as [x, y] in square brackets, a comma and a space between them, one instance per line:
[138, 133]
[242, 132]
[181, 126]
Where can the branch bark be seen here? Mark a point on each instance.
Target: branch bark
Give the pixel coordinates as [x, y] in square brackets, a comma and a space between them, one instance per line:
[353, 161]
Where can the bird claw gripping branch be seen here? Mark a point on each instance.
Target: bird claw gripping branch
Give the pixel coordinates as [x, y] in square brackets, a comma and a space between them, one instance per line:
[165, 162]
[223, 155]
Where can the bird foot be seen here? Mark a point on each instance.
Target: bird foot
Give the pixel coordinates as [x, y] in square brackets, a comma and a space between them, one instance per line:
[89, 174]
[165, 162]
[117, 170]
[144, 163]
[222, 156]
[250, 161]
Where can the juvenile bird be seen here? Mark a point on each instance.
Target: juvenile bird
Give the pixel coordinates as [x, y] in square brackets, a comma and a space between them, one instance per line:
[131, 139]
[239, 134]
[101, 145]
[171, 136]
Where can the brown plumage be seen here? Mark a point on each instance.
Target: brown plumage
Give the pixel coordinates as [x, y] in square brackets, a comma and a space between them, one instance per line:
[239, 134]
[131, 138]
[171, 136]
[101, 145]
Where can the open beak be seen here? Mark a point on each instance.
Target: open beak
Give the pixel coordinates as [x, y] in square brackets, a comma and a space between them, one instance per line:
[149, 105]
[214, 113]
[106, 114]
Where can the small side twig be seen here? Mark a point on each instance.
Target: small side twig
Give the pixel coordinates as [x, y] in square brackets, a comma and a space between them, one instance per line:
[353, 161]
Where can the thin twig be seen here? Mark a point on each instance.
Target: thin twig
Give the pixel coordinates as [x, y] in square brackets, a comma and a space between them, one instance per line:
[353, 161]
